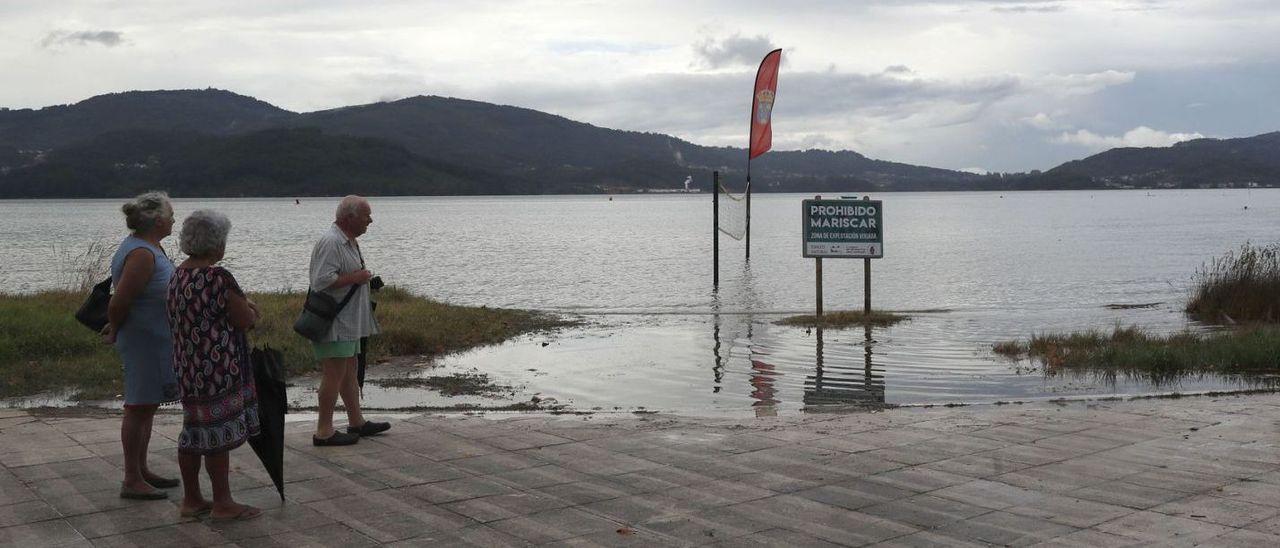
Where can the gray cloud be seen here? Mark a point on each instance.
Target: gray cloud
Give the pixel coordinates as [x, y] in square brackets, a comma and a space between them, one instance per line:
[108, 38]
[1023, 8]
[733, 51]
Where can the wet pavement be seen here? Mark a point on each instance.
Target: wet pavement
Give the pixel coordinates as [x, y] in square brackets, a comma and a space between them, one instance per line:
[1198, 470]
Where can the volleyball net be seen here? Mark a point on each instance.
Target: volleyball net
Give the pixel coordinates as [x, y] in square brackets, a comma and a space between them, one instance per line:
[732, 212]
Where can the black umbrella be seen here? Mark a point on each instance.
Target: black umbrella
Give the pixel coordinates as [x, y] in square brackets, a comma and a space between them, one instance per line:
[268, 373]
[362, 359]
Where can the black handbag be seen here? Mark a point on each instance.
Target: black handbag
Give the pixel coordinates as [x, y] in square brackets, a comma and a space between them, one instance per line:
[93, 313]
[318, 313]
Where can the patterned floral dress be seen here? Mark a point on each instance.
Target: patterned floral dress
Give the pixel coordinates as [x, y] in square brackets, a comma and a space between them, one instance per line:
[211, 360]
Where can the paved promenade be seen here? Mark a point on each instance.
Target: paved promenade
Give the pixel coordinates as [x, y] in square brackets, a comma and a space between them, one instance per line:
[1200, 470]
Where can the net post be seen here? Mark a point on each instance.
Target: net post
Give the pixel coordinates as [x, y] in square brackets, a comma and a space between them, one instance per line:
[817, 267]
[748, 235]
[866, 281]
[715, 230]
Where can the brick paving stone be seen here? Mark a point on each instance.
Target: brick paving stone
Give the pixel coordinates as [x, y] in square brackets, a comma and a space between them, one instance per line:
[65, 469]
[918, 479]
[1270, 526]
[44, 533]
[927, 539]
[925, 511]
[331, 487]
[1028, 454]
[1004, 529]
[137, 516]
[1153, 527]
[476, 535]
[1129, 495]
[706, 527]
[524, 440]
[40, 454]
[822, 521]
[22, 513]
[391, 458]
[329, 535]
[535, 477]
[855, 494]
[459, 489]
[1050, 478]
[13, 490]
[181, 535]
[994, 495]
[1229, 512]
[496, 463]
[1071, 511]
[1245, 537]
[586, 491]
[1179, 480]
[388, 516]
[416, 474]
[1014, 433]
[497, 507]
[978, 466]
[636, 509]
[1091, 538]
[554, 525]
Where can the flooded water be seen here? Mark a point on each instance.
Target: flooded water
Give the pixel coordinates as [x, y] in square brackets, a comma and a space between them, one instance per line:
[638, 270]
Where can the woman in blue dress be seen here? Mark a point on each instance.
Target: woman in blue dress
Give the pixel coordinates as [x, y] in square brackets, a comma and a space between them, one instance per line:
[139, 328]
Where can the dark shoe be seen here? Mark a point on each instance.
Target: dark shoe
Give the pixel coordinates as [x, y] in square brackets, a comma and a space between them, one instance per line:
[142, 495]
[338, 438]
[163, 483]
[369, 428]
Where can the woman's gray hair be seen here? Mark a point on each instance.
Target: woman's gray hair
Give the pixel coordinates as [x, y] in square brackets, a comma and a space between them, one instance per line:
[204, 233]
[142, 212]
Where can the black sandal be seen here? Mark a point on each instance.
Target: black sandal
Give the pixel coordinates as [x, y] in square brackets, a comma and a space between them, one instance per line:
[338, 438]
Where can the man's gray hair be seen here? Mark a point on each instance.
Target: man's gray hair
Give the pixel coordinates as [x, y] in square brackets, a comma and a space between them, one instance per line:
[204, 233]
[350, 206]
[142, 212]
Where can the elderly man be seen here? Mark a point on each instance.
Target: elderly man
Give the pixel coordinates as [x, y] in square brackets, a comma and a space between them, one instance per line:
[337, 268]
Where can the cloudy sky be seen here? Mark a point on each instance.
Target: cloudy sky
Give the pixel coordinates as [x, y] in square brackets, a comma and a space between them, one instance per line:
[1001, 85]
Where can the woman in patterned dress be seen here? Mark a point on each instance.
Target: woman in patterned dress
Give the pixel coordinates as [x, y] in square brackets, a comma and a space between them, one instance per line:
[209, 315]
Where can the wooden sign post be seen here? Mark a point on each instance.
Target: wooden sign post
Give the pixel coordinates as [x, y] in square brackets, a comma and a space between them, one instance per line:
[843, 229]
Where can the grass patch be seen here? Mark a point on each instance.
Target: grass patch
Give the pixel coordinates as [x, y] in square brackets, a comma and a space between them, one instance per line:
[1252, 352]
[836, 320]
[1241, 286]
[43, 348]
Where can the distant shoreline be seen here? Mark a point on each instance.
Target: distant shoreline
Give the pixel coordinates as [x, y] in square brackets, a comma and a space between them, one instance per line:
[634, 194]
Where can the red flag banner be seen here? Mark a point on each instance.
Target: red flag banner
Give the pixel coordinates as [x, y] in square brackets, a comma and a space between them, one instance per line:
[762, 104]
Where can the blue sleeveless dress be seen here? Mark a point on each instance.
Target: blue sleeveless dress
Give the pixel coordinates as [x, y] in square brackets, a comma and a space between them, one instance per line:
[144, 341]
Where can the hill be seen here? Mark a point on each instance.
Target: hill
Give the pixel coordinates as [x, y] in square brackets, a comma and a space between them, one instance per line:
[211, 111]
[273, 162]
[497, 150]
[1201, 162]
[217, 143]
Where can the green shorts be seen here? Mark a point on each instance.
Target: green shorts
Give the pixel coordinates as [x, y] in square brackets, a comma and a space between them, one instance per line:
[336, 349]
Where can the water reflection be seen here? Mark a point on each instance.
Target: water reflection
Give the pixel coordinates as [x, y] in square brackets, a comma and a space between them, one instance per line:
[843, 384]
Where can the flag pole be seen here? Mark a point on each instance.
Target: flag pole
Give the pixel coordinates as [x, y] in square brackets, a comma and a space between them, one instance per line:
[760, 136]
[748, 246]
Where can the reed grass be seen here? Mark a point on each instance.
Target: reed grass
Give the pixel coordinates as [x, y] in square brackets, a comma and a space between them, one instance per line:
[43, 348]
[841, 319]
[1134, 352]
[1239, 287]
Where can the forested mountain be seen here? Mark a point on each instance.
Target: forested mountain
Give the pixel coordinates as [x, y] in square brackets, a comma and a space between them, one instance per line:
[217, 143]
[211, 111]
[1213, 162]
